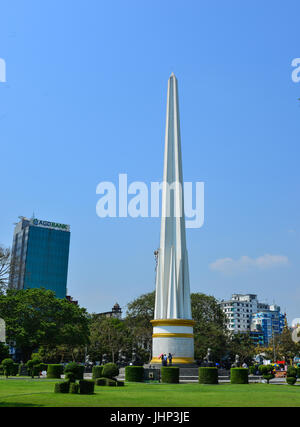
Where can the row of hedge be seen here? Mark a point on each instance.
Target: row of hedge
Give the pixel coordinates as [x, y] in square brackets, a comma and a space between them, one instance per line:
[83, 387]
[171, 375]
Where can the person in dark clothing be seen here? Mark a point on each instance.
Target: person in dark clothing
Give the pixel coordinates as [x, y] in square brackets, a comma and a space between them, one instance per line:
[170, 358]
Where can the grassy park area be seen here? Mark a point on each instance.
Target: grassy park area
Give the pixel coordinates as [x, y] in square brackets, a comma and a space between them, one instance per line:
[40, 392]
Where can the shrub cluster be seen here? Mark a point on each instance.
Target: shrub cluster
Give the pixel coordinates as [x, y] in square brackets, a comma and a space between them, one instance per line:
[108, 373]
[170, 374]
[54, 371]
[291, 375]
[267, 372]
[110, 370]
[62, 387]
[86, 386]
[239, 376]
[74, 388]
[97, 372]
[7, 367]
[74, 372]
[208, 376]
[134, 374]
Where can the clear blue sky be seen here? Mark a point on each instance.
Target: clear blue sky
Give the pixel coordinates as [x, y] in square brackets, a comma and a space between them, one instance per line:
[85, 100]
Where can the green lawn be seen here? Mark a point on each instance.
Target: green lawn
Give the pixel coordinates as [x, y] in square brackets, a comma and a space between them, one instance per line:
[27, 392]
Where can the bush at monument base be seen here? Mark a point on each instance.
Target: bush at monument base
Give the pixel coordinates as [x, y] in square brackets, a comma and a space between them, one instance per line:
[54, 371]
[86, 386]
[62, 387]
[97, 372]
[134, 374]
[239, 376]
[110, 370]
[208, 376]
[170, 375]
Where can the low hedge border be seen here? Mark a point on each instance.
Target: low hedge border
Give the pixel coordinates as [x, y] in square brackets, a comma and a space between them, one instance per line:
[239, 376]
[62, 387]
[134, 374]
[86, 386]
[170, 375]
[97, 372]
[208, 375]
[54, 371]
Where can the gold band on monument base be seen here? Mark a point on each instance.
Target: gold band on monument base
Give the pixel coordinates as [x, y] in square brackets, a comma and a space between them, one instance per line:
[170, 335]
[175, 360]
[172, 322]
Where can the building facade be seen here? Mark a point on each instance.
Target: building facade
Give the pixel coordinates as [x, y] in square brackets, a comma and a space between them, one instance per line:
[40, 256]
[116, 312]
[268, 322]
[245, 314]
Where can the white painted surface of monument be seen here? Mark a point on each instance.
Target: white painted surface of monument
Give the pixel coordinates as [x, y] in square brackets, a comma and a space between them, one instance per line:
[173, 324]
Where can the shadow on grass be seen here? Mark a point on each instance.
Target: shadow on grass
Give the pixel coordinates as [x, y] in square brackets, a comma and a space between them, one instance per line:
[17, 404]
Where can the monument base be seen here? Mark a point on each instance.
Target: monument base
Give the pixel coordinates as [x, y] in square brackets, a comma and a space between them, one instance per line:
[173, 336]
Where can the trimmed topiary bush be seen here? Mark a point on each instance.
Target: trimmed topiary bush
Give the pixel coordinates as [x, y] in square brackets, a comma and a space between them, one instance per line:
[239, 376]
[62, 387]
[7, 366]
[15, 369]
[120, 383]
[208, 376]
[86, 387]
[33, 367]
[291, 380]
[44, 367]
[291, 375]
[100, 381]
[267, 372]
[170, 374]
[134, 374]
[74, 388]
[97, 372]
[74, 372]
[111, 382]
[54, 371]
[252, 370]
[291, 371]
[110, 370]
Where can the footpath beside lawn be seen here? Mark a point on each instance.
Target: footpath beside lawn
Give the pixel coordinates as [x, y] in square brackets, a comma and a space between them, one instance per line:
[40, 392]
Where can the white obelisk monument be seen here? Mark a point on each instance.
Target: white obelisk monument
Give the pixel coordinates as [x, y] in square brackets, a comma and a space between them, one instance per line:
[173, 324]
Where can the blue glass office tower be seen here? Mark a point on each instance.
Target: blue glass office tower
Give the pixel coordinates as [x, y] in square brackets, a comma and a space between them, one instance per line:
[40, 255]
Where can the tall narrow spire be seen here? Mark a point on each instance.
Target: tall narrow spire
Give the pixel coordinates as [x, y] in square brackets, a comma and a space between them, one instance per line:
[172, 281]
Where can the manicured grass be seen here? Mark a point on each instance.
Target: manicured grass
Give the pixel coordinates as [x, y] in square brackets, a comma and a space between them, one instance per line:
[27, 392]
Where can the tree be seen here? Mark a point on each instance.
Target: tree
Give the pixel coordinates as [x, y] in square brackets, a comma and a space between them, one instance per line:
[242, 345]
[7, 365]
[210, 328]
[5, 268]
[4, 352]
[108, 336]
[285, 347]
[139, 314]
[35, 317]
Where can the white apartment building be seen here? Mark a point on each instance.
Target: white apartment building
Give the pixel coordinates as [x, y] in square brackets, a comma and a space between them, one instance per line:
[239, 310]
